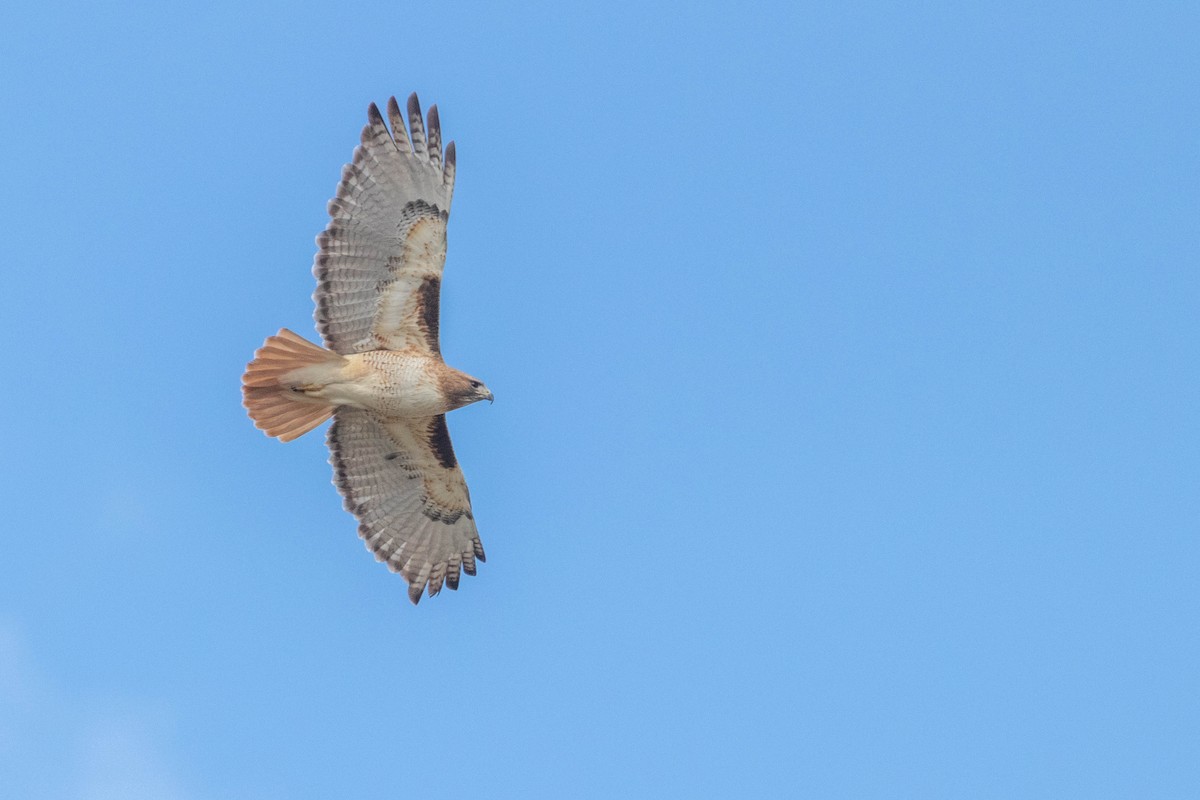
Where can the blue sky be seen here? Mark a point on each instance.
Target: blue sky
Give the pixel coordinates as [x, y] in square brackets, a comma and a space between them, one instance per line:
[845, 440]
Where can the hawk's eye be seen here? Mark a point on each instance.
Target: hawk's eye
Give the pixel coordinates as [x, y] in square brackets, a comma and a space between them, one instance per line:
[475, 384]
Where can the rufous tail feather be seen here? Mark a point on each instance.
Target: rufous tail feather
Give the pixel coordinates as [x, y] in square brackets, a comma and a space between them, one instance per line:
[278, 408]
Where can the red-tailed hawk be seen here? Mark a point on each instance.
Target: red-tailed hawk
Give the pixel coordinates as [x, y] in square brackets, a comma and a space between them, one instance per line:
[382, 378]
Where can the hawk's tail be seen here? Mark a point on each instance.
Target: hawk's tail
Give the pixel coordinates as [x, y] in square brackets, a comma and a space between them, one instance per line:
[273, 388]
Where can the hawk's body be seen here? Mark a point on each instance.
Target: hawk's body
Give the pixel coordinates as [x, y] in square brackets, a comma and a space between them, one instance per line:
[382, 378]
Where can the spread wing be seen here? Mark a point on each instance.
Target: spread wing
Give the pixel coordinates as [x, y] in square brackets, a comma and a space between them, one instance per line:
[400, 479]
[379, 262]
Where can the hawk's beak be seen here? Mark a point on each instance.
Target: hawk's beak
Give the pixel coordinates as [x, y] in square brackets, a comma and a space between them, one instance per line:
[491, 398]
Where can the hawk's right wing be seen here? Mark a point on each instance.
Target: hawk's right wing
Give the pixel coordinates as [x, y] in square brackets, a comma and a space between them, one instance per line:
[380, 260]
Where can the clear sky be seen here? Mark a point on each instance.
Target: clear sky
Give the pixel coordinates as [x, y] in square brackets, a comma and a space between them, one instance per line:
[845, 441]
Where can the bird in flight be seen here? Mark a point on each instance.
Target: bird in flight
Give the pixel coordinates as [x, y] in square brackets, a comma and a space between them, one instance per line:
[380, 374]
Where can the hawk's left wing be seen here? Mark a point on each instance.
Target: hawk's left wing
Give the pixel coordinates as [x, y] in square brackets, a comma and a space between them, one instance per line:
[400, 478]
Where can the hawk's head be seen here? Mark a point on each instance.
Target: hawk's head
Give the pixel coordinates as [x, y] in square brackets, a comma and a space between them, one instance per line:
[462, 390]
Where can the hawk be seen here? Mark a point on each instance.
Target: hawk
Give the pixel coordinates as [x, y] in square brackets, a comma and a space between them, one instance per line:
[380, 374]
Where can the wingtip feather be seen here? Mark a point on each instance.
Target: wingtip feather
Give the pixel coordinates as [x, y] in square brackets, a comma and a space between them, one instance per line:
[399, 126]
[416, 125]
[433, 130]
